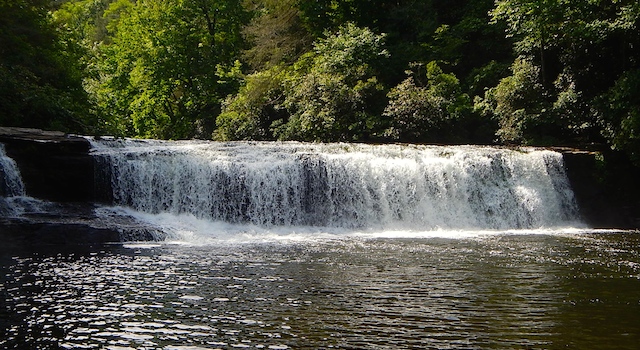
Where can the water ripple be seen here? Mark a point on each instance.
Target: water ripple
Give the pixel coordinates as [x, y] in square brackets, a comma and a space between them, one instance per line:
[483, 293]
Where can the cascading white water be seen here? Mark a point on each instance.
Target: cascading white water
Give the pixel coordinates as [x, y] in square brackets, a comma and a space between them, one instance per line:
[11, 185]
[10, 181]
[388, 187]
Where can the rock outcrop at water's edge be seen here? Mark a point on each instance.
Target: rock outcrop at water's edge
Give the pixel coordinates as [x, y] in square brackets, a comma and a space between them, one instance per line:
[59, 168]
[606, 187]
[70, 224]
[59, 173]
[54, 166]
[15, 233]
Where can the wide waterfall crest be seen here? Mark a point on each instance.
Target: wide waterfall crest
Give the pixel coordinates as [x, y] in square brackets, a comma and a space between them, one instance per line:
[342, 185]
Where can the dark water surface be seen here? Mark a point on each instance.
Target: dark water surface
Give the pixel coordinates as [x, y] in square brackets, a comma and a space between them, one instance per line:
[488, 292]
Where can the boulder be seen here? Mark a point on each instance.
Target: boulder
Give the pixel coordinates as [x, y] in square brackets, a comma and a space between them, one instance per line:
[25, 233]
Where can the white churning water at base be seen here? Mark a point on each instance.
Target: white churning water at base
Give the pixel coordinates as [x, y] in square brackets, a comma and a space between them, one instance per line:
[358, 187]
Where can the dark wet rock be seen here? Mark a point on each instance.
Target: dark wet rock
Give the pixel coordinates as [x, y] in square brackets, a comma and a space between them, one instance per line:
[59, 175]
[71, 223]
[27, 233]
[606, 188]
[54, 166]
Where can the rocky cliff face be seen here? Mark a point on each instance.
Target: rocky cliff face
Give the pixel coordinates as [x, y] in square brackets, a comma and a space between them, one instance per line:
[54, 166]
[606, 186]
[58, 170]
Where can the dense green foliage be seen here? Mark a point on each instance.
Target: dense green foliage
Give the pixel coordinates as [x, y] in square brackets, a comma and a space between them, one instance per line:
[425, 109]
[571, 53]
[462, 71]
[329, 94]
[168, 66]
[40, 70]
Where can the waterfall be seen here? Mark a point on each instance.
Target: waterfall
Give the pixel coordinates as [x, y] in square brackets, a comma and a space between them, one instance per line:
[356, 186]
[11, 185]
[10, 181]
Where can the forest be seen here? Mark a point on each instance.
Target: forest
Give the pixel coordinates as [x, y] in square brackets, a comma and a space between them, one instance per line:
[512, 72]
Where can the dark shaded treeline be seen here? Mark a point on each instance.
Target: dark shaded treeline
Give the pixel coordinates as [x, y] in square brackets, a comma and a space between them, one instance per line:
[537, 72]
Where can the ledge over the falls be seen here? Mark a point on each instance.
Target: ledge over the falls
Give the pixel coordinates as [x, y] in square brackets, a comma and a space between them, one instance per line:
[54, 166]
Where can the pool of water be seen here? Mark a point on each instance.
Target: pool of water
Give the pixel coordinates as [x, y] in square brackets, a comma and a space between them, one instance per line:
[494, 291]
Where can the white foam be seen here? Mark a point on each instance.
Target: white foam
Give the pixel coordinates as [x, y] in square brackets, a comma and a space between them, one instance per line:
[206, 191]
[186, 229]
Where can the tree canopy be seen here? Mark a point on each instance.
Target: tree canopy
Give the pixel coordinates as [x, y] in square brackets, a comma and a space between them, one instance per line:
[41, 70]
[532, 72]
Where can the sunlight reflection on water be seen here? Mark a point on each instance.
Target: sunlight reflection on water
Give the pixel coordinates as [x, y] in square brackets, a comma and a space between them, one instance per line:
[488, 292]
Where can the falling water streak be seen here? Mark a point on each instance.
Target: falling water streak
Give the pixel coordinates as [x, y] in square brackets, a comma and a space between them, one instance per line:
[350, 186]
[10, 181]
[12, 189]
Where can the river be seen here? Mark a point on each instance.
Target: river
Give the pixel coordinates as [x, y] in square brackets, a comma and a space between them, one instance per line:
[527, 290]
